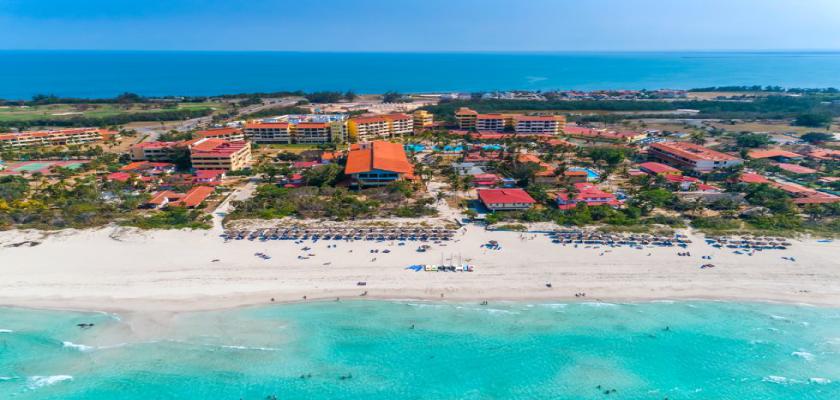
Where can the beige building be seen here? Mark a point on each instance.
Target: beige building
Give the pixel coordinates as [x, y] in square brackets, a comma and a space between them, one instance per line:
[62, 137]
[220, 154]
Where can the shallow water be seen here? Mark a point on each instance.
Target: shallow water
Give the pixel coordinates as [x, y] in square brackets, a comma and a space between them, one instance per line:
[678, 350]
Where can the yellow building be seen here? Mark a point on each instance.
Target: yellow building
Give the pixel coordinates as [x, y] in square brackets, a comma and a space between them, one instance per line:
[362, 129]
[423, 119]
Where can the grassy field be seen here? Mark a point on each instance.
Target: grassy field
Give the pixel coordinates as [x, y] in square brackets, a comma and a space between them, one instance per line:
[61, 111]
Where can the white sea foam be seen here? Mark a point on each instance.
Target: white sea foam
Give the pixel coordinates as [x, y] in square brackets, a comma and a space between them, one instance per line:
[555, 305]
[781, 380]
[35, 382]
[80, 347]
[6, 378]
[249, 348]
[819, 381]
[6, 331]
[778, 317]
[598, 304]
[776, 379]
[803, 354]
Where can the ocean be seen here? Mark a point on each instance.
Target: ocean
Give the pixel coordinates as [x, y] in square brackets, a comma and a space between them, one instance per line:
[428, 350]
[95, 74]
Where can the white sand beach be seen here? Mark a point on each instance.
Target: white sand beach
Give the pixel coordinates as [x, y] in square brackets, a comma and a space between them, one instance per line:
[123, 269]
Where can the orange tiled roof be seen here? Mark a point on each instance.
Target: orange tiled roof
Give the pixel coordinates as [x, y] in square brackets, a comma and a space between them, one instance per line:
[379, 155]
[772, 153]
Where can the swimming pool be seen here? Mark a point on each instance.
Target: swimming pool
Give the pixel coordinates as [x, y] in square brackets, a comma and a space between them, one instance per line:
[590, 174]
[416, 148]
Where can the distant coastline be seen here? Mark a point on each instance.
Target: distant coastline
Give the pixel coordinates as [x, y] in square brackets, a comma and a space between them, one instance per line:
[98, 74]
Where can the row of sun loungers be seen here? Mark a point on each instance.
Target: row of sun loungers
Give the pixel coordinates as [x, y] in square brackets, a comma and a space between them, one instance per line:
[749, 242]
[296, 233]
[614, 239]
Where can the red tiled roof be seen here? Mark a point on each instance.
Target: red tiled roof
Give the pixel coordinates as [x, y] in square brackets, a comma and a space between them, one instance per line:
[681, 179]
[313, 125]
[305, 164]
[658, 168]
[195, 196]
[817, 199]
[535, 118]
[756, 154]
[381, 118]
[378, 155]
[145, 165]
[490, 116]
[824, 154]
[749, 177]
[267, 125]
[218, 132]
[204, 174]
[504, 196]
[796, 169]
[156, 145]
[217, 147]
[692, 151]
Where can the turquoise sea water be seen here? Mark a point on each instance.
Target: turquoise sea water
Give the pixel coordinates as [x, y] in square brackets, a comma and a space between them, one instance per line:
[108, 73]
[367, 350]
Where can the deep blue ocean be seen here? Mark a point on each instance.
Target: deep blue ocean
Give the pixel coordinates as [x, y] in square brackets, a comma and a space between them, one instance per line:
[424, 350]
[153, 73]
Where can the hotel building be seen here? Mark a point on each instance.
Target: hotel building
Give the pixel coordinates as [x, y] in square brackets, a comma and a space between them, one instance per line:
[471, 120]
[219, 154]
[304, 129]
[692, 156]
[361, 129]
[423, 119]
[62, 137]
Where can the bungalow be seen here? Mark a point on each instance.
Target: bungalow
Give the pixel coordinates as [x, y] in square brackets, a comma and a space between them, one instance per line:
[294, 181]
[148, 168]
[467, 168]
[505, 199]
[124, 177]
[545, 175]
[751, 177]
[775, 154]
[192, 199]
[575, 176]
[796, 169]
[212, 177]
[824, 154]
[377, 164]
[588, 194]
[485, 180]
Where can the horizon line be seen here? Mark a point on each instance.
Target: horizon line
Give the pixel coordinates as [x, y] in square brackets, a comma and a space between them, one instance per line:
[803, 50]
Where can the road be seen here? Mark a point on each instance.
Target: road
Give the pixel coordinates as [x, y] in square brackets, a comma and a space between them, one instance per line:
[152, 134]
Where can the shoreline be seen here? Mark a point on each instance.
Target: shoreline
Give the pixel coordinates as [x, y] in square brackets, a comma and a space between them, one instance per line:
[121, 270]
[153, 306]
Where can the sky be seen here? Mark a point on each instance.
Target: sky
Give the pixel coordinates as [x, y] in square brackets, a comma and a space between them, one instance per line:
[421, 25]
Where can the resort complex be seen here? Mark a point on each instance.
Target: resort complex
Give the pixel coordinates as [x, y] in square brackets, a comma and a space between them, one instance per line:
[487, 167]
